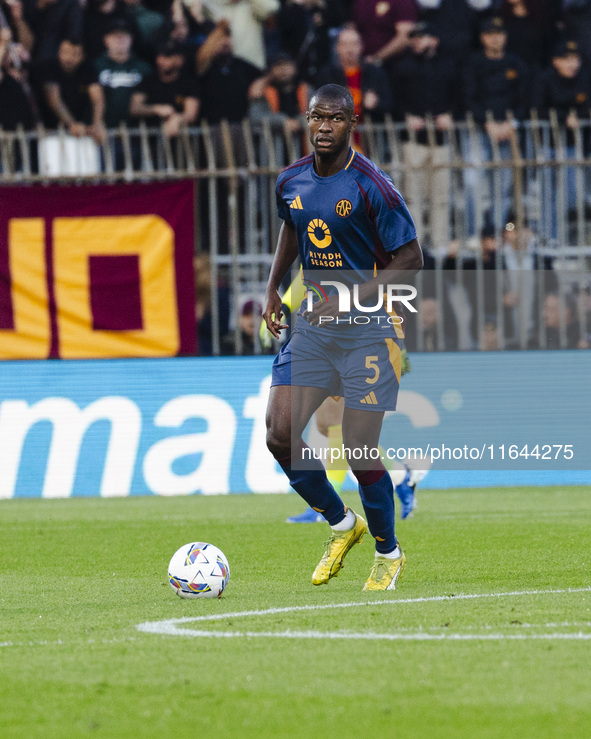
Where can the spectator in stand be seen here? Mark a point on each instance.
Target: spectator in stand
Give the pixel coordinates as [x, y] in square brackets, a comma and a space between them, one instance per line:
[280, 95]
[428, 321]
[169, 95]
[566, 88]
[530, 275]
[384, 26]
[204, 308]
[246, 19]
[14, 15]
[560, 327]
[485, 283]
[227, 88]
[101, 16]
[529, 35]
[119, 72]
[367, 82]
[425, 83]
[21, 42]
[577, 20]
[248, 322]
[496, 84]
[282, 99]
[51, 21]
[73, 95]
[15, 108]
[496, 81]
[189, 27]
[305, 28]
[225, 78]
[455, 23]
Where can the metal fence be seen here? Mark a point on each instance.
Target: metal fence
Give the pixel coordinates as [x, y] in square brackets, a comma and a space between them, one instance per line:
[459, 184]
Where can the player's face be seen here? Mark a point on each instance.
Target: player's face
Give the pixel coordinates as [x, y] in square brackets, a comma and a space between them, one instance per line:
[329, 125]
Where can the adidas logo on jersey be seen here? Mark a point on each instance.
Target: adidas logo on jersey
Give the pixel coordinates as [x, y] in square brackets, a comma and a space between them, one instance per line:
[296, 203]
[370, 399]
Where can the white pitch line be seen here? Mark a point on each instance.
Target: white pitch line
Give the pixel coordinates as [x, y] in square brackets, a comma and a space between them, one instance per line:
[61, 642]
[371, 636]
[169, 627]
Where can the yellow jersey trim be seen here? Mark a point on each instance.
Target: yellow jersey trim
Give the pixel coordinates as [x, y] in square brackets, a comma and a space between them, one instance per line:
[350, 160]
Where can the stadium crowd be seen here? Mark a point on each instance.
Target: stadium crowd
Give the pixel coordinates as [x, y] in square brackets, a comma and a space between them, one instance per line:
[90, 64]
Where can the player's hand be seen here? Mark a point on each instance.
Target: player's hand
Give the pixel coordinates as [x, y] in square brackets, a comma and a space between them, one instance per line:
[272, 314]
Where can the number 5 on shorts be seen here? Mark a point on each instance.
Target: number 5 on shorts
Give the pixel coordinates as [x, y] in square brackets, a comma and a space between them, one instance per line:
[371, 363]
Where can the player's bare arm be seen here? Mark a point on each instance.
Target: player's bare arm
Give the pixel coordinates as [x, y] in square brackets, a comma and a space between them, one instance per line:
[285, 256]
[406, 261]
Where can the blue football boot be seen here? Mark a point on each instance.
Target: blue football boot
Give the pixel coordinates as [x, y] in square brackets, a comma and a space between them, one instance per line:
[308, 516]
[406, 493]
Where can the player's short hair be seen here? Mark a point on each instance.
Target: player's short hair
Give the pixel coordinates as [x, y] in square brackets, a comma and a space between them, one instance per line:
[336, 94]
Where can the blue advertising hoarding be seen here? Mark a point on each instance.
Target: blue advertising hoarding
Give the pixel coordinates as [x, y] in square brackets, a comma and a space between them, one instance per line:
[196, 425]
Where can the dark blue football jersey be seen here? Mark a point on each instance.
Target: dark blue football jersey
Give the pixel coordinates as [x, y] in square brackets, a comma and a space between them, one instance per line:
[349, 221]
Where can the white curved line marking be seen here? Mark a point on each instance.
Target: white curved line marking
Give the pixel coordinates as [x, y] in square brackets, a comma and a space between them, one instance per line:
[368, 636]
[170, 627]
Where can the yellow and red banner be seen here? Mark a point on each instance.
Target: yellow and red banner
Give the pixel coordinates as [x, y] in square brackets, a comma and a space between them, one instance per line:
[96, 271]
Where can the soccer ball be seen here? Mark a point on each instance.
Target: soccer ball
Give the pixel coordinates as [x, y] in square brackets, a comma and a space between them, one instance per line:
[198, 570]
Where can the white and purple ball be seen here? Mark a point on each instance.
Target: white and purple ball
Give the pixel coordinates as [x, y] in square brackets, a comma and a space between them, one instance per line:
[198, 570]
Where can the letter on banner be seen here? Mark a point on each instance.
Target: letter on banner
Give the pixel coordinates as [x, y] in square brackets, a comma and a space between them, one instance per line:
[149, 238]
[69, 424]
[31, 336]
[262, 471]
[212, 474]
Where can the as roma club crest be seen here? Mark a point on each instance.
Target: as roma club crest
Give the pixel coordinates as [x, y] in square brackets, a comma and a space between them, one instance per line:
[343, 208]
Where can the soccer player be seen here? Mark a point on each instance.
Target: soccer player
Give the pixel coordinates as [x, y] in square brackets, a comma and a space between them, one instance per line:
[329, 420]
[336, 197]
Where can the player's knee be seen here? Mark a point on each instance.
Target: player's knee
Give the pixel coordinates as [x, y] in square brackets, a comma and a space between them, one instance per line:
[278, 443]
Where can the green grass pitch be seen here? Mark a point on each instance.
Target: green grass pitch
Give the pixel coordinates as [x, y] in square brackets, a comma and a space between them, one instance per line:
[78, 576]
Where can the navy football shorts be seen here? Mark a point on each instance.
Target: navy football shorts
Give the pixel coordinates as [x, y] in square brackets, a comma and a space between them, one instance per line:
[366, 372]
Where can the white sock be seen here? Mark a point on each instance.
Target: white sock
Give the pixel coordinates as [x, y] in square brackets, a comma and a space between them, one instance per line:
[347, 523]
[390, 555]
